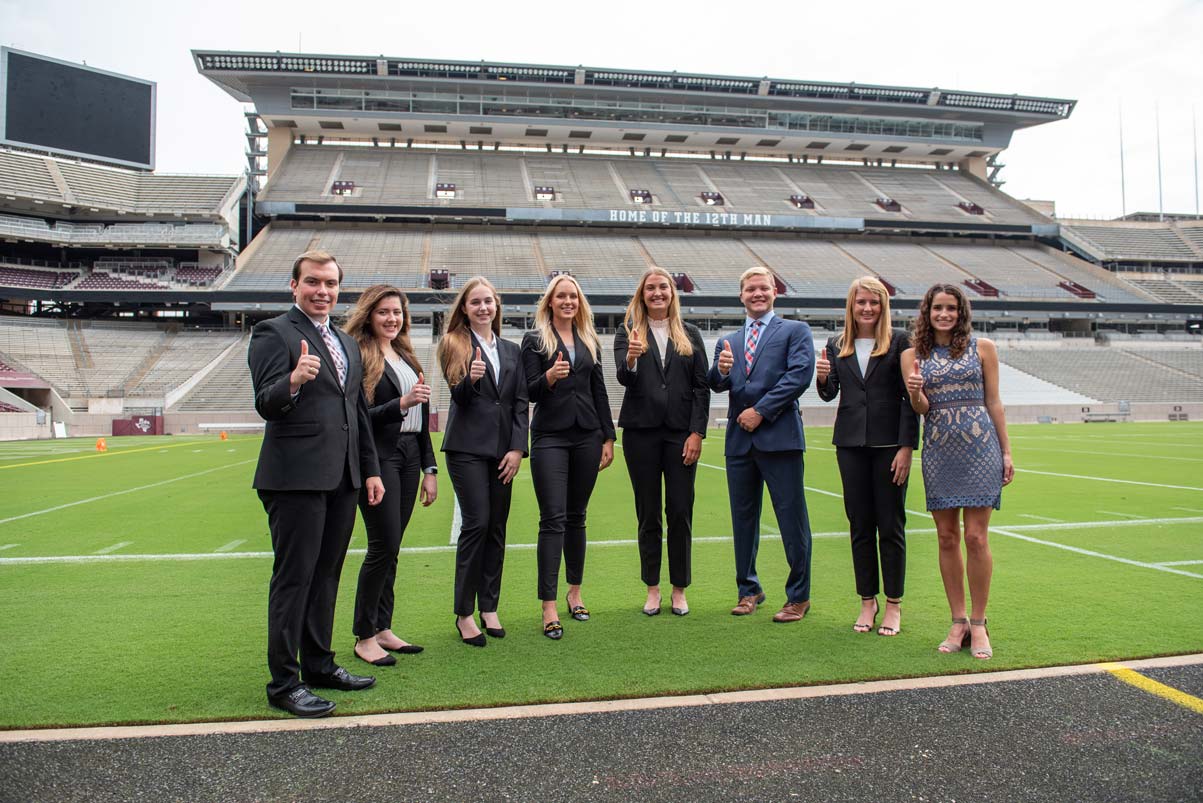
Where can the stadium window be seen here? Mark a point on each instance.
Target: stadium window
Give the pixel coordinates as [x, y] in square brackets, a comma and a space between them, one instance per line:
[768, 143]
[331, 125]
[536, 132]
[895, 148]
[817, 146]
[676, 138]
[389, 126]
[726, 141]
[940, 152]
[480, 129]
[855, 147]
[579, 134]
[633, 137]
[435, 129]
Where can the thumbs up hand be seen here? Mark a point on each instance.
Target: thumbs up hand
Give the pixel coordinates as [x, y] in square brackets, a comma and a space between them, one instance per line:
[419, 394]
[635, 348]
[306, 369]
[477, 369]
[914, 380]
[558, 370]
[725, 358]
[822, 367]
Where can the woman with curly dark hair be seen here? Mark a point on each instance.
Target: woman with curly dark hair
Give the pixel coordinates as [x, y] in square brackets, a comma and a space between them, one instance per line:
[952, 380]
[398, 402]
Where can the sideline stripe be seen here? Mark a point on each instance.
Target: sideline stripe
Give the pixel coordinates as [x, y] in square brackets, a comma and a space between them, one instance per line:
[1118, 513]
[186, 556]
[571, 709]
[126, 491]
[115, 453]
[1162, 563]
[457, 520]
[1188, 509]
[1138, 455]
[7, 546]
[1163, 691]
[1094, 554]
[1108, 479]
[231, 546]
[1039, 518]
[113, 547]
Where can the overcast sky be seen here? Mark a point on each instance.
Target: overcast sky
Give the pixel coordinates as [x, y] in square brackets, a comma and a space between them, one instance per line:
[1141, 56]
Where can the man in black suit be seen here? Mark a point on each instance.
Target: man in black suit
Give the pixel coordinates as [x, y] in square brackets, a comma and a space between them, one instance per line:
[317, 450]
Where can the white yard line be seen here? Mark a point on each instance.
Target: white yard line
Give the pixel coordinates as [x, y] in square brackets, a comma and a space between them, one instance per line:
[819, 491]
[7, 546]
[1180, 562]
[1039, 518]
[1109, 479]
[230, 547]
[457, 520]
[1118, 513]
[1093, 554]
[126, 491]
[1145, 455]
[113, 547]
[1188, 509]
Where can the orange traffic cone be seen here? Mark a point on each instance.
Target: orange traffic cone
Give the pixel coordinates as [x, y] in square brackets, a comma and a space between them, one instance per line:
[224, 436]
[101, 446]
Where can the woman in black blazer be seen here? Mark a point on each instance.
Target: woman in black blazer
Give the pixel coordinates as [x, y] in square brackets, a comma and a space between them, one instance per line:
[399, 406]
[572, 437]
[485, 442]
[662, 364]
[875, 432]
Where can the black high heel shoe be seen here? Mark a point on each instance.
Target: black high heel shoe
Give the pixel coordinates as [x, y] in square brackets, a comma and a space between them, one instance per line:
[578, 612]
[478, 640]
[553, 630]
[494, 632]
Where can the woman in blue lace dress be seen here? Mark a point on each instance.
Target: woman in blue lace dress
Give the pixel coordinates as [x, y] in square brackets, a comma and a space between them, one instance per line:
[952, 380]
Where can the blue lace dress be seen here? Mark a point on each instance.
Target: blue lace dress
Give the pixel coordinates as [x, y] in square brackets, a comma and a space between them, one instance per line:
[962, 460]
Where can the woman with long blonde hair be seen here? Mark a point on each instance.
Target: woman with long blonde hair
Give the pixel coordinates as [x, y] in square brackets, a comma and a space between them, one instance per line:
[875, 433]
[399, 406]
[662, 365]
[484, 443]
[572, 437]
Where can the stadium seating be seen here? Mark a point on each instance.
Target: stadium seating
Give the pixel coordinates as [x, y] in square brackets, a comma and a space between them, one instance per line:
[201, 235]
[1110, 374]
[175, 360]
[83, 185]
[15, 276]
[405, 177]
[1134, 241]
[226, 388]
[1167, 289]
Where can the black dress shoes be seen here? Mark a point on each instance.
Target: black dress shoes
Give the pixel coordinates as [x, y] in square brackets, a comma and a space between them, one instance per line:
[553, 630]
[341, 680]
[494, 632]
[301, 702]
[406, 649]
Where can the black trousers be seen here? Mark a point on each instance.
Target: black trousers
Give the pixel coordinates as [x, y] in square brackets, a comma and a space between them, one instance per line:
[385, 524]
[564, 469]
[876, 509]
[310, 531]
[484, 504]
[653, 456]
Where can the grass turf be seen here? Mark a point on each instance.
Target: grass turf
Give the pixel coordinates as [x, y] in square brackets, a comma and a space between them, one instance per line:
[180, 636]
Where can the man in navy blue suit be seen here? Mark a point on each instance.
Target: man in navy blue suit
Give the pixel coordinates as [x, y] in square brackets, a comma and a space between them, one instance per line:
[766, 366]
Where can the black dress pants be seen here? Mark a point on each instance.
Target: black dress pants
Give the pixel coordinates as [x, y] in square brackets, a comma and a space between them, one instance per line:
[385, 524]
[876, 510]
[310, 531]
[564, 469]
[484, 504]
[653, 456]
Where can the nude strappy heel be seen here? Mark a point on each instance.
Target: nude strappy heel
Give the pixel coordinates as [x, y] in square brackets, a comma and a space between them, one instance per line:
[981, 653]
[948, 645]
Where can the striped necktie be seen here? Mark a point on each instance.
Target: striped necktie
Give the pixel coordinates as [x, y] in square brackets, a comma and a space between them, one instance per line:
[336, 353]
[750, 346]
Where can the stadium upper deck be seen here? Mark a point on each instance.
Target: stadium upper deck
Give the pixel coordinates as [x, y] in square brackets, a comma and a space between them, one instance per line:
[498, 103]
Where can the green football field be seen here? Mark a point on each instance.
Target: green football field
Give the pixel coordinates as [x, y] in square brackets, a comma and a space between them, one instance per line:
[133, 583]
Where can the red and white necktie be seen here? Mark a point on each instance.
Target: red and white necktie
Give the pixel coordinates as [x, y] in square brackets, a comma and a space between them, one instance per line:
[750, 346]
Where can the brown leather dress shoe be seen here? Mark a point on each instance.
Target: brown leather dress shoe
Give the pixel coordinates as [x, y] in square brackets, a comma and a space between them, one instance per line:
[747, 605]
[792, 612]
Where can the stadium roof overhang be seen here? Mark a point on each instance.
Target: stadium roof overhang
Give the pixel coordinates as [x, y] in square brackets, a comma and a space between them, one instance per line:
[485, 104]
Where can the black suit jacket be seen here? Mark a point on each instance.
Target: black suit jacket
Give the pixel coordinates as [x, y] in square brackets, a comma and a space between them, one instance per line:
[308, 441]
[387, 416]
[485, 419]
[579, 399]
[664, 391]
[874, 409]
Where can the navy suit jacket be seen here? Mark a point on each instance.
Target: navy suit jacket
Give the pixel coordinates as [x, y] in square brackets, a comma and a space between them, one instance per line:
[309, 440]
[781, 372]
